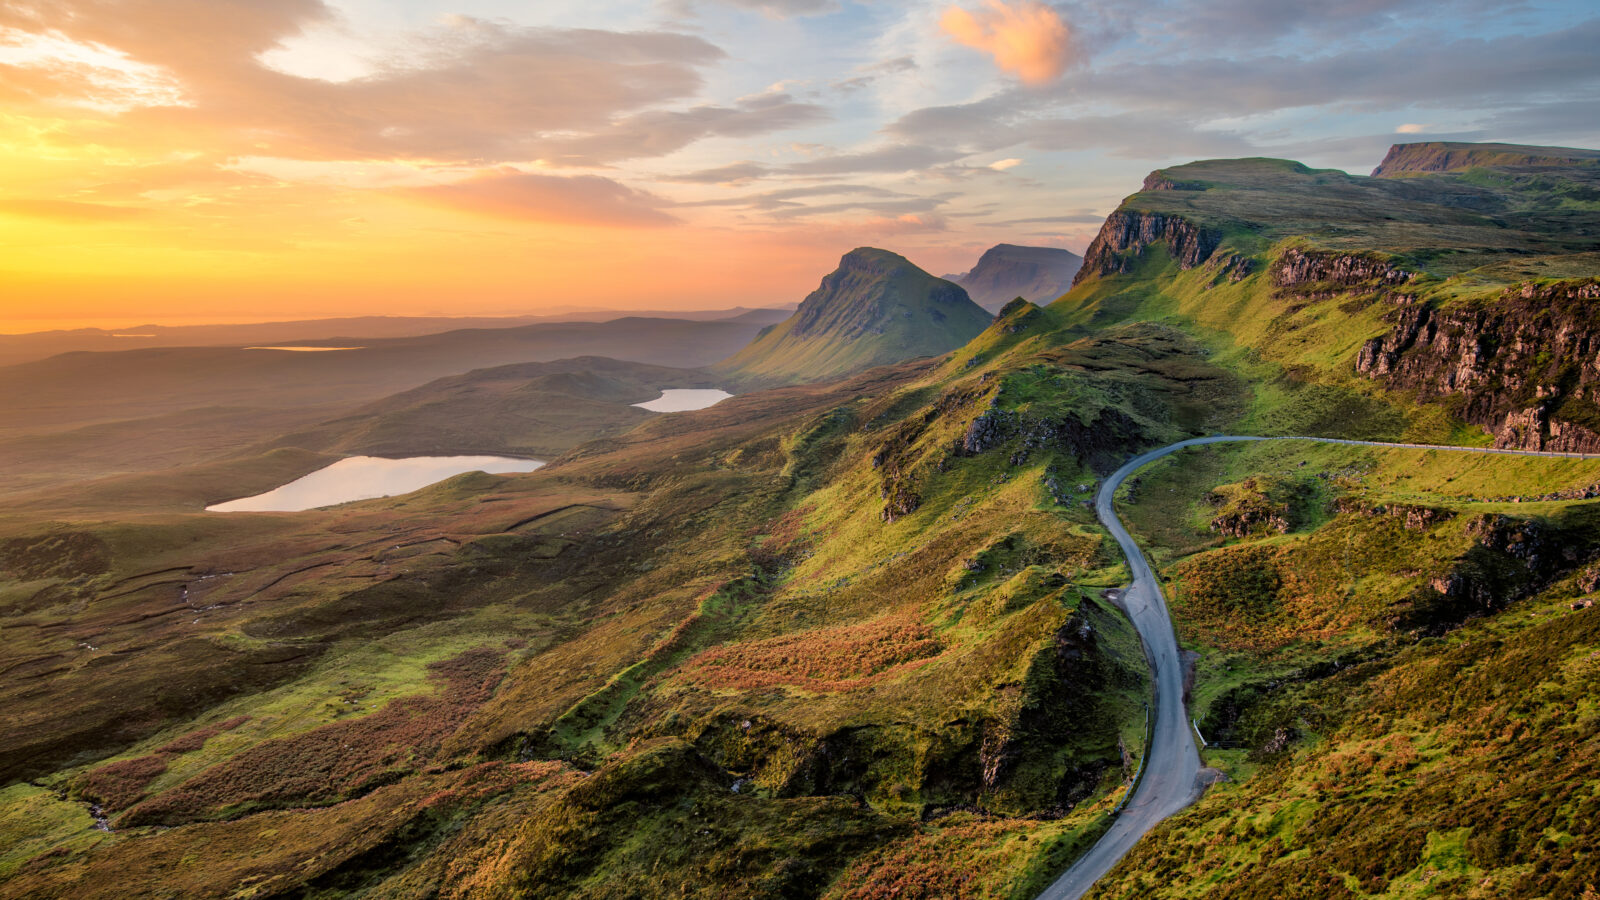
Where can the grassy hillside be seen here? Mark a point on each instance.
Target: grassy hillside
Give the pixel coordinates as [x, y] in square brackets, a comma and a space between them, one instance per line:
[1447, 156]
[1395, 673]
[852, 640]
[876, 308]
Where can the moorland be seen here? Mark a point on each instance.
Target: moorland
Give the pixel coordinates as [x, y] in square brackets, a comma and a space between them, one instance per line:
[854, 632]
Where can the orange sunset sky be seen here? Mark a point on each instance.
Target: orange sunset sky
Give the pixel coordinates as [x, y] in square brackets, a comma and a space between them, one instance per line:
[225, 160]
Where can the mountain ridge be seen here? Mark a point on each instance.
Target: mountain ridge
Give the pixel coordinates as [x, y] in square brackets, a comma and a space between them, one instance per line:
[876, 308]
[1007, 271]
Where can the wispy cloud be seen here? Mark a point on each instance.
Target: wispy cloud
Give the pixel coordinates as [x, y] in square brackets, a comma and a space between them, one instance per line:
[532, 197]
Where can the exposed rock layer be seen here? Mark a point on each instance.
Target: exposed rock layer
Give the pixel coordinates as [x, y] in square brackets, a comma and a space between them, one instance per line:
[1526, 368]
[1125, 235]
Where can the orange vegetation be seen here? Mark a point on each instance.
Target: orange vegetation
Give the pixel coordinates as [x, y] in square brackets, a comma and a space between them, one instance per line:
[828, 659]
[335, 761]
[956, 861]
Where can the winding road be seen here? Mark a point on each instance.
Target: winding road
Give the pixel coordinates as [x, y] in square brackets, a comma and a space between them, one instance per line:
[1171, 770]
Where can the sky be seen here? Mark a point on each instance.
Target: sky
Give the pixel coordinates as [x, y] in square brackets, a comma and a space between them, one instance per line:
[177, 161]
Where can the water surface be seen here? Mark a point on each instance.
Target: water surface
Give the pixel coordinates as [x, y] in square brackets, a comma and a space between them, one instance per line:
[685, 399]
[366, 477]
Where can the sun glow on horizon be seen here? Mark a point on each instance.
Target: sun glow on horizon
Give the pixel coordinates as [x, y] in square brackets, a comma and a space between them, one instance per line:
[171, 160]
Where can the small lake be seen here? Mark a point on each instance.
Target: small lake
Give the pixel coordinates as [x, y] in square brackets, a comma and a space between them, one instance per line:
[368, 477]
[685, 399]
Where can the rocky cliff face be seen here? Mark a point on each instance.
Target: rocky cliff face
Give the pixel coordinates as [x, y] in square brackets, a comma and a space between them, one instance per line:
[1125, 235]
[1526, 368]
[1297, 268]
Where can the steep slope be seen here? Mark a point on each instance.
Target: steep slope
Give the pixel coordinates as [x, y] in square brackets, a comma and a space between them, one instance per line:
[1007, 271]
[876, 308]
[1461, 295]
[1446, 156]
[1333, 595]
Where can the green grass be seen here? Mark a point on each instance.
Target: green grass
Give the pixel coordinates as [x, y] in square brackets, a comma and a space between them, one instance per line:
[36, 820]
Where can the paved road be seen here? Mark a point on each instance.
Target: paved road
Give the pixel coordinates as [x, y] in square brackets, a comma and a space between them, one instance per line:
[1170, 779]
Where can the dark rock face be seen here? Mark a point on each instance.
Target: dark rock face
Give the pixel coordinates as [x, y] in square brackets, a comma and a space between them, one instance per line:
[1510, 558]
[1160, 181]
[1125, 235]
[1297, 268]
[1098, 444]
[1413, 517]
[1526, 368]
[1007, 271]
[896, 458]
[1252, 513]
[1232, 266]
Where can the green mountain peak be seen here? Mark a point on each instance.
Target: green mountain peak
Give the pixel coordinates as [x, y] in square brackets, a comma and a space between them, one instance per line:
[876, 308]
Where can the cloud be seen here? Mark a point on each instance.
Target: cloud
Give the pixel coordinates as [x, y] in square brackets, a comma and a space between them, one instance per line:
[786, 204]
[786, 8]
[659, 132]
[734, 173]
[1000, 165]
[530, 197]
[871, 73]
[1202, 105]
[469, 91]
[1070, 219]
[1420, 68]
[893, 158]
[787, 197]
[1233, 23]
[69, 210]
[1027, 38]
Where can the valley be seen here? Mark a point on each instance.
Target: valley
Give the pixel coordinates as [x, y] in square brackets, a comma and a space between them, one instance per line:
[1302, 461]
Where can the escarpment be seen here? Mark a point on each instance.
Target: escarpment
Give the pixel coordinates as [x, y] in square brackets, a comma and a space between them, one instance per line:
[1125, 235]
[1526, 368]
[1296, 268]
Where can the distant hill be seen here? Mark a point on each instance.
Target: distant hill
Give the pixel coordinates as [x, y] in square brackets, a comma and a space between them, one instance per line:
[1008, 271]
[540, 409]
[1429, 157]
[768, 315]
[81, 388]
[21, 348]
[876, 308]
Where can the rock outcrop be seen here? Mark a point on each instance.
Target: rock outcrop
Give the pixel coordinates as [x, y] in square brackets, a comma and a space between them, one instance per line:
[1510, 558]
[1125, 235]
[1526, 368]
[1297, 268]
[1159, 180]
